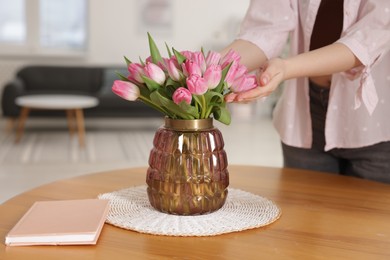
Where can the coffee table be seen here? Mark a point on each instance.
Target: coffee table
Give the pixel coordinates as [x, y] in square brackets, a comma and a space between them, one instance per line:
[72, 104]
[324, 216]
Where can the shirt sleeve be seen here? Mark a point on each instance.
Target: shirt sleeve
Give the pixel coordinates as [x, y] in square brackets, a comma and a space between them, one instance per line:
[369, 39]
[267, 25]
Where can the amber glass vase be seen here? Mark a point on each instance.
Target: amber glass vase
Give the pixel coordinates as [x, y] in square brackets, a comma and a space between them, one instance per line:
[187, 172]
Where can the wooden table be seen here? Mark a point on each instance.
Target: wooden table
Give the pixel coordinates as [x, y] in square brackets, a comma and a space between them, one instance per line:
[324, 217]
[72, 104]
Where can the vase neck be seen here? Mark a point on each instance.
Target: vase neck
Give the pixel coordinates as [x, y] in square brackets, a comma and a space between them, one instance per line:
[189, 125]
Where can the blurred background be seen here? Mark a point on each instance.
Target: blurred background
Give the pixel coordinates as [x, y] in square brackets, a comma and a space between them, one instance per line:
[102, 32]
[99, 33]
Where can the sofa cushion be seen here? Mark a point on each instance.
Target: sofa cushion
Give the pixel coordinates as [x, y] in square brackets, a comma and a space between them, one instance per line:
[110, 74]
[59, 78]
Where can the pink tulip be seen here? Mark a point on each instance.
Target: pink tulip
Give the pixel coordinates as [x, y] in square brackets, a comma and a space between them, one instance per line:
[160, 64]
[244, 83]
[231, 56]
[187, 54]
[235, 71]
[155, 73]
[173, 69]
[213, 75]
[190, 67]
[196, 84]
[213, 58]
[135, 70]
[182, 94]
[198, 58]
[126, 90]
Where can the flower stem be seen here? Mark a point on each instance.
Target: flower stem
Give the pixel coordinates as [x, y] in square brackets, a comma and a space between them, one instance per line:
[208, 112]
[150, 103]
[204, 107]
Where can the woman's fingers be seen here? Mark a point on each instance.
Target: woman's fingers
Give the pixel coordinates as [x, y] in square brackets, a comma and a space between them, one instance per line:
[249, 95]
[230, 97]
[260, 91]
[269, 78]
[252, 94]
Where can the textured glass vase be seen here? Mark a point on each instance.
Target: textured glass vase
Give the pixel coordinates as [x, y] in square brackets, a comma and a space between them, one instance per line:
[187, 172]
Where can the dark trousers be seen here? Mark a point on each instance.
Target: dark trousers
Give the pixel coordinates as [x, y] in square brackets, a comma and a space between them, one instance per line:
[370, 162]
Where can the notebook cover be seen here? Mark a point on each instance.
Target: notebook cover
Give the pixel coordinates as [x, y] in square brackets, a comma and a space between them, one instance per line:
[63, 222]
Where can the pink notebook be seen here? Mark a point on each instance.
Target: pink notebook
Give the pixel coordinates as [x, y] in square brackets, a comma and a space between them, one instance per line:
[63, 222]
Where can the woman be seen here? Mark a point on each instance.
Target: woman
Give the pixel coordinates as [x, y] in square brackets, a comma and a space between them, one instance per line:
[332, 114]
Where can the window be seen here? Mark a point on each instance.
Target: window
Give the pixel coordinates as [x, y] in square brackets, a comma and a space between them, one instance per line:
[12, 22]
[40, 27]
[62, 24]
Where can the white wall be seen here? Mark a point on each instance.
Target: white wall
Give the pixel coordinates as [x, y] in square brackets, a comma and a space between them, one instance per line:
[116, 29]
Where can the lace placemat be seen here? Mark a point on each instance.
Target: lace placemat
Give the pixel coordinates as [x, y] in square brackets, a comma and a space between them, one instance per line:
[130, 209]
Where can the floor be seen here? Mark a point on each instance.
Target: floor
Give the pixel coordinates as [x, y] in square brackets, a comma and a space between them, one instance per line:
[48, 153]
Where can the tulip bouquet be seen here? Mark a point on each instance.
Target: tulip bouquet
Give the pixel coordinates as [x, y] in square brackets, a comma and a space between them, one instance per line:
[186, 85]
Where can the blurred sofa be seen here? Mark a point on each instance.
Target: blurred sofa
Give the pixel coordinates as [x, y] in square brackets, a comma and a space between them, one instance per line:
[92, 81]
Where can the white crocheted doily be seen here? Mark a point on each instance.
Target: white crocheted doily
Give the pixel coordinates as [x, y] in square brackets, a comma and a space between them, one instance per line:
[130, 209]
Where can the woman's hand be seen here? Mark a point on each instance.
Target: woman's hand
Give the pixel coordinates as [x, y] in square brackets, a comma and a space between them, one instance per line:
[269, 78]
[327, 60]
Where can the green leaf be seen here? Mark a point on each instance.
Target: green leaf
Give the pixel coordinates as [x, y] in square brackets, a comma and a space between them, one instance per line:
[124, 78]
[151, 84]
[156, 100]
[171, 82]
[222, 114]
[141, 62]
[180, 57]
[213, 99]
[154, 105]
[202, 51]
[169, 90]
[154, 97]
[154, 52]
[199, 102]
[128, 62]
[168, 50]
[189, 109]
[214, 96]
[144, 91]
[220, 86]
